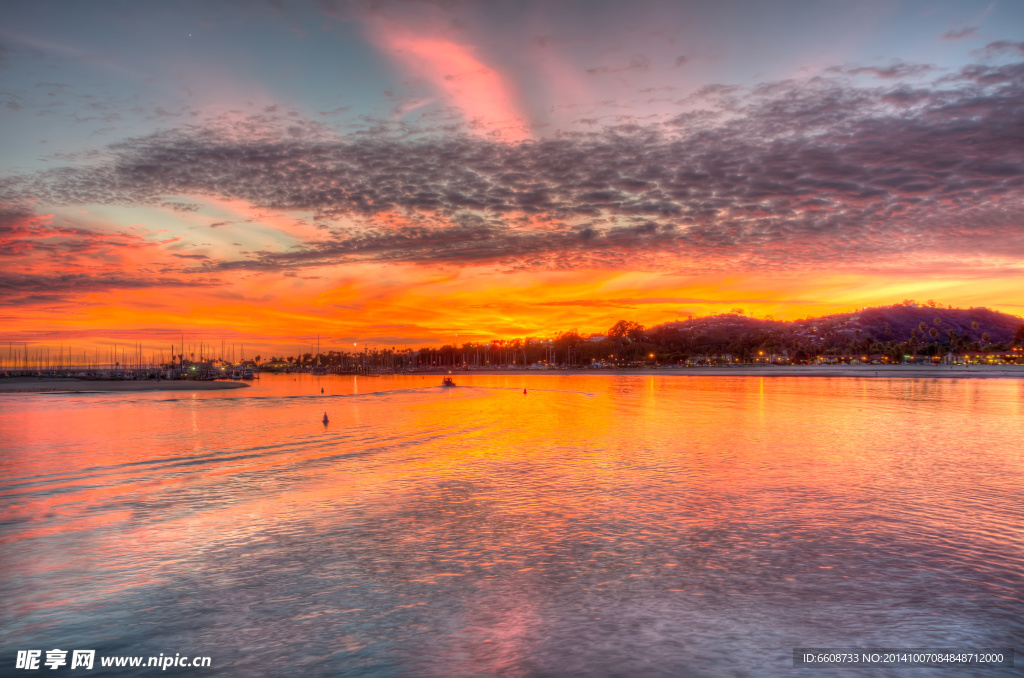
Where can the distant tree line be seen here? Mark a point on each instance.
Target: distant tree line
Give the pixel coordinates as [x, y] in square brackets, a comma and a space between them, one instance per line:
[896, 331]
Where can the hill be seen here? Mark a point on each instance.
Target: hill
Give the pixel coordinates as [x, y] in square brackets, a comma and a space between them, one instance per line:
[895, 330]
[887, 323]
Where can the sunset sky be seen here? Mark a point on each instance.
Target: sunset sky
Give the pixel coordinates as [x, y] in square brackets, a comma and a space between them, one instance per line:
[396, 173]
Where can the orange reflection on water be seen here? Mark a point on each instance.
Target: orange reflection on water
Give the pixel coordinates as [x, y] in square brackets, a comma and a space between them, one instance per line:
[591, 507]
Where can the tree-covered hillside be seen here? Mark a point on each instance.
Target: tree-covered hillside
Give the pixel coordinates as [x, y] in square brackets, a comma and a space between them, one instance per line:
[893, 331]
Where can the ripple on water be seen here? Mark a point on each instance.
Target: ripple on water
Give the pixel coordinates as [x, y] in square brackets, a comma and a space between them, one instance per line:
[599, 525]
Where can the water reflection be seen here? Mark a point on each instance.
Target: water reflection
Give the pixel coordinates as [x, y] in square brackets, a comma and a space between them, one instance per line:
[608, 525]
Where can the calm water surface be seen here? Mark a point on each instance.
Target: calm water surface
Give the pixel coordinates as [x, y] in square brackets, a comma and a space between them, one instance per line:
[598, 525]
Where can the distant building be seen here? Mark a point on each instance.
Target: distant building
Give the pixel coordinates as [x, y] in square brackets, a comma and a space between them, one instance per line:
[277, 366]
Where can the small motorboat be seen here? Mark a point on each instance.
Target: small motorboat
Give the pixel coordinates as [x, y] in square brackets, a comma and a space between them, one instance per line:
[447, 381]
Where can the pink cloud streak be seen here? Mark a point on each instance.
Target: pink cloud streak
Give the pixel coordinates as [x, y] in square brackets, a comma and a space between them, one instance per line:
[486, 98]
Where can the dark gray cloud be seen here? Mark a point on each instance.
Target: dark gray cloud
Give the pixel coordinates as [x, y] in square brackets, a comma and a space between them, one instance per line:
[475, 241]
[789, 174]
[33, 289]
[895, 70]
[637, 62]
[23, 232]
[959, 34]
[1000, 48]
[33, 249]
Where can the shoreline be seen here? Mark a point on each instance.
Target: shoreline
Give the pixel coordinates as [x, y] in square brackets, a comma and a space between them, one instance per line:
[855, 371]
[55, 385]
[71, 385]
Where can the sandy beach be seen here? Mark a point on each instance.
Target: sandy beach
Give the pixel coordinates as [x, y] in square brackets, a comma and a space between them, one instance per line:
[55, 385]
